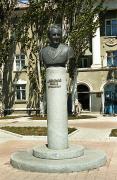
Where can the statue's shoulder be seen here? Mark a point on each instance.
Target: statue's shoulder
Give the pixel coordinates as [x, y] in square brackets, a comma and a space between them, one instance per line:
[69, 50]
[44, 49]
[64, 48]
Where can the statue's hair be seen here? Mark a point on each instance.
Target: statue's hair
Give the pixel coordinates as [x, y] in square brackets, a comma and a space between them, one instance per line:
[54, 26]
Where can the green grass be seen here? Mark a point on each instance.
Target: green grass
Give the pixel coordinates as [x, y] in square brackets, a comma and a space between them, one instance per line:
[9, 117]
[69, 117]
[36, 131]
[113, 133]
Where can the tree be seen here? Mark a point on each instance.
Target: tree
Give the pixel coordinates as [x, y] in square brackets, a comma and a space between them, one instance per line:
[6, 40]
[6, 26]
[75, 17]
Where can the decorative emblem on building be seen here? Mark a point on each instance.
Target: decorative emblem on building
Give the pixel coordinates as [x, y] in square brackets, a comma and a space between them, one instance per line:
[110, 41]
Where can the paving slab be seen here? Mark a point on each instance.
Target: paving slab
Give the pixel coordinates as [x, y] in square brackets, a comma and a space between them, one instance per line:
[92, 134]
[107, 171]
[89, 134]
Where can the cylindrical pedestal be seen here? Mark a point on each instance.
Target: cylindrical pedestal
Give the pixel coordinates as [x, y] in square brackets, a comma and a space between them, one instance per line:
[56, 90]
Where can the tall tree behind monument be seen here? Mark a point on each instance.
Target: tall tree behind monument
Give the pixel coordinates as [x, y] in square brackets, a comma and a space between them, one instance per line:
[76, 17]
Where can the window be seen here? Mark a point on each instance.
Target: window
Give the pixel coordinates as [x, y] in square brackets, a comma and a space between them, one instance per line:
[21, 92]
[112, 58]
[85, 62]
[19, 62]
[111, 27]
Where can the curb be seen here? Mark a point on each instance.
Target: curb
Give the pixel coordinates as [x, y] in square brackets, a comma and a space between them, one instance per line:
[24, 137]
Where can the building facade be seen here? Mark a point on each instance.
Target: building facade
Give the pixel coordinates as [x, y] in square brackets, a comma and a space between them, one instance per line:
[97, 72]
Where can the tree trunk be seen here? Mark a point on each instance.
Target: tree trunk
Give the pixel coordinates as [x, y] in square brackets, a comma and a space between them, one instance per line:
[74, 91]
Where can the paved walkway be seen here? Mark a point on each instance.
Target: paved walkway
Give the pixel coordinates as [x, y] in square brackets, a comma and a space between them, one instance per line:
[92, 133]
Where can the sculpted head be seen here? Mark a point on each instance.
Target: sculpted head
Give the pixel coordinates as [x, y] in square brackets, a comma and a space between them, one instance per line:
[55, 34]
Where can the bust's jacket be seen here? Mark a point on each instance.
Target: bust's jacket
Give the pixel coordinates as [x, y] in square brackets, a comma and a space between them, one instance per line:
[59, 56]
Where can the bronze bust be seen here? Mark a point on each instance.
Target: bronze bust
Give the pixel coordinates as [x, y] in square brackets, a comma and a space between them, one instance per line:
[56, 54]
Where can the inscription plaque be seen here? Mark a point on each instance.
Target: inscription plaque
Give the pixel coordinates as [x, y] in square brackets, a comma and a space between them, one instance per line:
[54, 83]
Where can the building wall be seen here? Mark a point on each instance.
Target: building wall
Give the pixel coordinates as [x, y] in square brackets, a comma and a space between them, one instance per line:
[96, 104]
[99, 75]
[94, 79]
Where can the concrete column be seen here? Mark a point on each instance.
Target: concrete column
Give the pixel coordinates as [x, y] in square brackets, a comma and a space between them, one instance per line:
[56, 89]
[96, 54]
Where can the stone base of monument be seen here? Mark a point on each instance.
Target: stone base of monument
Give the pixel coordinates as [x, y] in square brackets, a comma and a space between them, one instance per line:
[46, 160]
[57, 156]
[45, 153]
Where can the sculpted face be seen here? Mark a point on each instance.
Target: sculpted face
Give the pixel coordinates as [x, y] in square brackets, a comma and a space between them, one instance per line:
[55, 36]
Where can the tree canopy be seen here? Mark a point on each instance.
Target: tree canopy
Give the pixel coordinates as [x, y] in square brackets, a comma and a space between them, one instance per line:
[76, 17]
[6, 12]
[28, 26]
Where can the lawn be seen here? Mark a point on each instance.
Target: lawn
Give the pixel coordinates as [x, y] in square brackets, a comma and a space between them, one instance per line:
[69, 117]
[9, 117]
[32, 131]
[113, 133]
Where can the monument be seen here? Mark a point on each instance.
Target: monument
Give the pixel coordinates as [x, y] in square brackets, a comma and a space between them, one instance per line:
[57, 155]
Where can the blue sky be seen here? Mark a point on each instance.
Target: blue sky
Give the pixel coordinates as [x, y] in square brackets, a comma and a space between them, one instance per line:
[25, 1]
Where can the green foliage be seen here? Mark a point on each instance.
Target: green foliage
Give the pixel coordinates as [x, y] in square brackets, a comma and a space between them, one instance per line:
[6, 12]
[84, 26]
[80, 20]
[37, 18]
[40, 14]
[29, 26]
